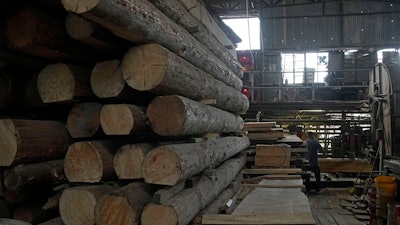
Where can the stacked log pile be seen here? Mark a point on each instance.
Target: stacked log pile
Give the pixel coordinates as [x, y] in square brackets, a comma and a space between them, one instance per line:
[109, 121]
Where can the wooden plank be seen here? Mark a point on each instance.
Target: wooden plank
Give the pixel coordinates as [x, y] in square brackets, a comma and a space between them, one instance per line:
[271, 177]
[162, 195]
[273, 155]
[258, 126]
[272, 171]
[274, 219]
[265, 135]
[340, 165]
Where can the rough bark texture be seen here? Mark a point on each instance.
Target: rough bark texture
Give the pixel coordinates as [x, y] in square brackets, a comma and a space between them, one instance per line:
[183, 207]
[128, 160]
[170, 164]
[84, 120]
[50, 173]
[61, 82]
[175, 115]
[23, 141]
[122, 119]
[77, 204]
[90, 161]
[178, 13]
[128, 18]
[123, 206]
[163, 72]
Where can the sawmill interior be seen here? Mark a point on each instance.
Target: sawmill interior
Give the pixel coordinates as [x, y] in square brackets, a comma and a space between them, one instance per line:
[177, 112]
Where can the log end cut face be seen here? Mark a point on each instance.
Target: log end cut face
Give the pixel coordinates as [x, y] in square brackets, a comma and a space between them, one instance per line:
[8, 142]
[159, 214]
[116, 119]
[22, 29]
[167, 115]
[112, 209]
[77, 206]
[78, 27]
[106, 79]
[128, 162]
[162, 166]
[84, 120]
[83, 163]
[56, 83]
[79, 6]
[144, 67]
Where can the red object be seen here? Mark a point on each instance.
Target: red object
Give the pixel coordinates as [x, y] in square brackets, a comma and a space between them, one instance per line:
[246, 92]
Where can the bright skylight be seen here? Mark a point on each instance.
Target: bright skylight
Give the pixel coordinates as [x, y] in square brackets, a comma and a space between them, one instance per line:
[240, 27]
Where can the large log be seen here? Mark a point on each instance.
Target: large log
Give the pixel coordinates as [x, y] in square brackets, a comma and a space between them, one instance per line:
[90, 161]
[163, 72]
[36, 33]
[23, 141]
[50, 173]
[178, 13]
[128, 18]
[128, 160]
[123, 206]
[176, 115]
[183, 207]
[122, 119]
[170, 164]
[84, 120]
[107, 82]
[89, 33]
[61, 82]
[77, 204]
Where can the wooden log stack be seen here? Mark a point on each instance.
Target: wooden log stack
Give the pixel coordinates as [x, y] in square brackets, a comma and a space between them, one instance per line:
[134, 81]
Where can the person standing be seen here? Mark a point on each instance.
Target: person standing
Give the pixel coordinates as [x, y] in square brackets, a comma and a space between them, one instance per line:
[313, 147]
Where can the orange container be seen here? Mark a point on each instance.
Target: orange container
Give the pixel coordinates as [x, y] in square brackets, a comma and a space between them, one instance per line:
[385, 191]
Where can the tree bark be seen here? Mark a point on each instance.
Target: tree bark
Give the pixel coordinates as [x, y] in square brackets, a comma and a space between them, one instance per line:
[50, 173]
[175, 115]
[183, 207]
[38, 34]
[128, 160]
[84, 120]
[163, 72]
[178, 13]
[122, 119]
[77, 204]
[23, 141]
[128, 18]
[90, 161]
[107, 82]
[123, 206]
[61, 82]
[170, 164]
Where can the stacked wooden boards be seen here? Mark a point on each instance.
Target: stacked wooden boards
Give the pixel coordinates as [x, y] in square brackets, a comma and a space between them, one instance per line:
[273, 156]
[130, 78]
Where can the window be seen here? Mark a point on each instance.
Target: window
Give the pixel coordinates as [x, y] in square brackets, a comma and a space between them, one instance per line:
[300, 68]
[248, 29]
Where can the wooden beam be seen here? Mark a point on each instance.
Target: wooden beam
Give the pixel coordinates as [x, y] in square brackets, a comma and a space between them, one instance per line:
[272, 171]
[162, 195]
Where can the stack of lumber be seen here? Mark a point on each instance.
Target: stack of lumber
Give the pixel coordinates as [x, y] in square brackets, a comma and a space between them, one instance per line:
[259, 131]
[341, 165]
[273, 156]
[125, 110]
